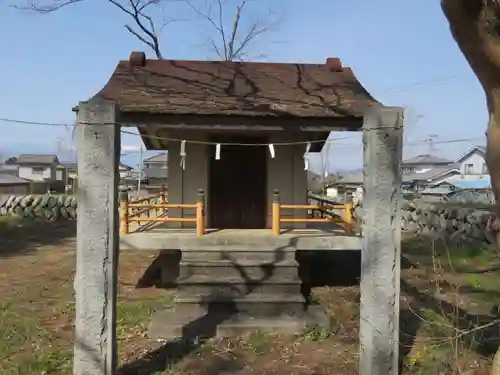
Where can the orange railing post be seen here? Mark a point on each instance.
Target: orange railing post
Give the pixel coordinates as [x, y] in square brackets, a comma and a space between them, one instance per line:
[200, 213]
[276, 213]
[124, 202]
[348, 220]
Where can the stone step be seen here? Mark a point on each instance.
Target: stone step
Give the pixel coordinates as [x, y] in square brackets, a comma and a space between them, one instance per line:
[170, 324]
[236, 287]
[254, 304]
[282, 324]
[250, 272]
[239, 253]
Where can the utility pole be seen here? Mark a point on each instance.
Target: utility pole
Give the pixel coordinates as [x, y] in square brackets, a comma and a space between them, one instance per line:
[139, 178]
[430, 140]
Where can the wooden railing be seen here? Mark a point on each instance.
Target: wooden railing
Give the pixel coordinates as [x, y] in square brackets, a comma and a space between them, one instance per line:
[346, 221]
[145, 206]
[134, 211]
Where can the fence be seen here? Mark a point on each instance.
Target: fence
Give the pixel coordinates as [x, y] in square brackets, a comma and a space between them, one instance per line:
[323, 207]
[154, 209]
[131, 211]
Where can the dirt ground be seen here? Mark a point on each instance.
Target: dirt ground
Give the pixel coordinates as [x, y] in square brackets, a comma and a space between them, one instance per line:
[448, 323]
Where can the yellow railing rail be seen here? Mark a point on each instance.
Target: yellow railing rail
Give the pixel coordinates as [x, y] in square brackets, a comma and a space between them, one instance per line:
[346, 221]
[145, 206]
[135, 211]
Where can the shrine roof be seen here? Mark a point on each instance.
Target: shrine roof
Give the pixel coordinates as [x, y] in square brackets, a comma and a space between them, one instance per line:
[178, 87]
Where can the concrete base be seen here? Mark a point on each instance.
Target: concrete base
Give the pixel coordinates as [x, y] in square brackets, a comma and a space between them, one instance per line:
[197, 323]
[158, 238]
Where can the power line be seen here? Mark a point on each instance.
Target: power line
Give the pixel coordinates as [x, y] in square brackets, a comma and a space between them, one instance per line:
[430, 141]
[330, 140]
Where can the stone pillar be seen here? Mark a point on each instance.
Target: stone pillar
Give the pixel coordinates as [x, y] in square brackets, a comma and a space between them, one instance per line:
[98, 145]
[381, 243]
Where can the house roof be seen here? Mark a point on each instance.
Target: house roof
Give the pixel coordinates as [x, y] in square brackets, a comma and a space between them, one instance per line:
[432, 173]
[483, 183]
[141, 85]
[426, 159]
[158, 158]
[479, 149]
[70, 164]
[125, 166]
[8, 179]
[74, 165]
[36, 159]
[356, 177]
[11, 169]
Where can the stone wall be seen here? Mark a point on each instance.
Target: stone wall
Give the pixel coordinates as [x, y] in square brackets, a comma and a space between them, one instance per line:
[447, 221]
[420, 217]
[47, 206]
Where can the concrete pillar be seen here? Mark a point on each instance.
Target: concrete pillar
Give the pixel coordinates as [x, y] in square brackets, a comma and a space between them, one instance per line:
[98, 144]
[381, 244]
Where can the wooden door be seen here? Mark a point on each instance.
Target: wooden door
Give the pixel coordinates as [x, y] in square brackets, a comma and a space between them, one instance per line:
[238, 189]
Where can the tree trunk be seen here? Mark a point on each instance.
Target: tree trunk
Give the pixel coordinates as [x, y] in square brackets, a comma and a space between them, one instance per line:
[475, 26]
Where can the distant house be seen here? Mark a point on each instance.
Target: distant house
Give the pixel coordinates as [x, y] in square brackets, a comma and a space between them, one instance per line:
[125, 171]
[425, 173]
[156, 169]
[470, 170]
[472, 162]
[418, 173]
[424, 161]
[34, 167]
[157, 161]
[10, 184]
[72, 170]
[10, 169]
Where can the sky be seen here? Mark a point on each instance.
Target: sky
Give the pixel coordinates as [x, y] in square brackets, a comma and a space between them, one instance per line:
[402, 52]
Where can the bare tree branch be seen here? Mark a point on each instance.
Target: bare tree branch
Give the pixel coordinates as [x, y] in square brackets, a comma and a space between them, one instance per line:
[232, 42]
[144, 30]
[233, 35]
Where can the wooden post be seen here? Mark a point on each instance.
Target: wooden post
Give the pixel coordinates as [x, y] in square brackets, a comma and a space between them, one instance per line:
[276, 213]
[124, 212]
[200, 213]
[348, 222]
[381, 242]
[163, 198]
[97, 242]
[163, 194]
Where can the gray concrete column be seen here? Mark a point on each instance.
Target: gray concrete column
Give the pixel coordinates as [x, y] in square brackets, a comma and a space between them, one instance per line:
[98, 147]
[381, 243]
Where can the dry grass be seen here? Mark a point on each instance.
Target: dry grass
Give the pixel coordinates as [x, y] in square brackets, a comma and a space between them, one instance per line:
[446, 327]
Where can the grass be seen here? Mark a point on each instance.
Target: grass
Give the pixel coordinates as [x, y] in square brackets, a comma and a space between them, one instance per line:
[446, 297]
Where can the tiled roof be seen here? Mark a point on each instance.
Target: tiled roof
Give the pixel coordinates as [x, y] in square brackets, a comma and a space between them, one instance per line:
[480, 149]
[7, 179]
[140, 85]
[70, 165]
[11, 169]
[356, 177]
[159, 158]
[73, 165]
[426, 159]
[125, 166]
[36, 159]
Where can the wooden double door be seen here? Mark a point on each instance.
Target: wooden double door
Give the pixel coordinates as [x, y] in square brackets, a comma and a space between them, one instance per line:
[237, 196]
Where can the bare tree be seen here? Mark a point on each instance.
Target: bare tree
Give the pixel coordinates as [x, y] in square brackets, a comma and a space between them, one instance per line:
[475, 26]
[140, 11]
[233, 38]
[231, 42]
